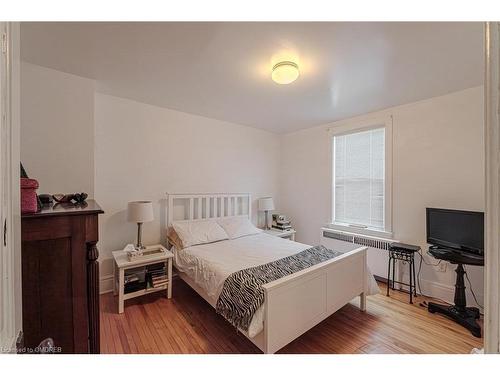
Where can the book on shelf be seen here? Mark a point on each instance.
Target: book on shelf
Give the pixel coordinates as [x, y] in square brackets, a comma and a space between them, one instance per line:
[155, 273]
[282, 228]
[156, 277]
[159, 284]
[159, 274]
[283, 222]
[162, 282]
[131, 278]
[155, 267]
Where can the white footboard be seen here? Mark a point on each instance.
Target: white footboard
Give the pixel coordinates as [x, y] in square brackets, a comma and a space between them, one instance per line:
[296, 303]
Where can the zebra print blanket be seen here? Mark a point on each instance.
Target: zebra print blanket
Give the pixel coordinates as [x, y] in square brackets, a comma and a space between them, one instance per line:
[242, 294]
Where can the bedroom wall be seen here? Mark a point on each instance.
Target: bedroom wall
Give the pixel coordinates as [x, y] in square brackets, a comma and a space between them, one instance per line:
[143, 152]
[118, 150]
[57, 129]
[438, 161]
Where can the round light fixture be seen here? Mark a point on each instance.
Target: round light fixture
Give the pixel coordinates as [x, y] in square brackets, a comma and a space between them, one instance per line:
[285, 72]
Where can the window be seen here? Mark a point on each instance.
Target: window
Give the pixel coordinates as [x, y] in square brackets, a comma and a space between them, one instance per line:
[360, 175]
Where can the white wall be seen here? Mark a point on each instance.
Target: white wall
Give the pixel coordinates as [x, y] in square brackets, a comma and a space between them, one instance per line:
[118, 150]
[57, 129]
[438, 161]
[143, 152]
[74, 139]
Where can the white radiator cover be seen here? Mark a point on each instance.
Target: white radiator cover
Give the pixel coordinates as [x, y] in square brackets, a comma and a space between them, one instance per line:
[378, 255]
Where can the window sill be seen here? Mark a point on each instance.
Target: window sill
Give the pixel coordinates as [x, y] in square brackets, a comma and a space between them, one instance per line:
[363, 231]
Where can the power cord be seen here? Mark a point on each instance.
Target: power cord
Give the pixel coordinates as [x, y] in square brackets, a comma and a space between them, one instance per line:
[429, 264]
[472, 290]
[420, 268]
[424, 303]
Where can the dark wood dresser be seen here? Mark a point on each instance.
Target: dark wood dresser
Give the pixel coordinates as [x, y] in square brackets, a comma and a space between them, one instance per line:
[60, 276]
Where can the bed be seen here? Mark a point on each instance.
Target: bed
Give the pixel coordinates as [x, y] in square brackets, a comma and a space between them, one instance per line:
[292, 304]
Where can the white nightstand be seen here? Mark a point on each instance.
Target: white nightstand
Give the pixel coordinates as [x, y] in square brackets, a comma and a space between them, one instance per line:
[290, 234]
[122, 264]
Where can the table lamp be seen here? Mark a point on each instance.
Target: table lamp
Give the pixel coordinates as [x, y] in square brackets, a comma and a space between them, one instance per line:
[140, 212]
[266, 204]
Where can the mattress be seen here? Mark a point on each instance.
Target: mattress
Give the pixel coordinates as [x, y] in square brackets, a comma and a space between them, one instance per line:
[209, 265]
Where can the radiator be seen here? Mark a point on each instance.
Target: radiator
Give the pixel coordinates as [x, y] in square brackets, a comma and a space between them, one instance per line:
[378, 255]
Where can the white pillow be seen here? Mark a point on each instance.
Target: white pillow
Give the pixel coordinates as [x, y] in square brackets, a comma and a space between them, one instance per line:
[199, 232]
[238, 226]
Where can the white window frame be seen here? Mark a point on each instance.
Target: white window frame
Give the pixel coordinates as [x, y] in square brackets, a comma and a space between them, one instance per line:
[355, 126]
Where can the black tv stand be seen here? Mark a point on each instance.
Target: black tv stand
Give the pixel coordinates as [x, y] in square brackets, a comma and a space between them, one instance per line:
[459, 312]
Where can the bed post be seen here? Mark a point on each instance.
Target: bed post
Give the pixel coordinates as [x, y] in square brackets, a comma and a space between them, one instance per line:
[168, 210]
[362, 301]
[362, 296]
[265, 344]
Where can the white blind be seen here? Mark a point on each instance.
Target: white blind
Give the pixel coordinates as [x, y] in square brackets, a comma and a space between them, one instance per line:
[359, 170]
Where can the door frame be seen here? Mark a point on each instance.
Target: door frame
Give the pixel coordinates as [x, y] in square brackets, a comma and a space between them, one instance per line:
[10, 254]
[492, 186]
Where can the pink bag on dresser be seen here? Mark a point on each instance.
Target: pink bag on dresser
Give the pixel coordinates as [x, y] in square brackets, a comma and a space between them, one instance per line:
[28, 195]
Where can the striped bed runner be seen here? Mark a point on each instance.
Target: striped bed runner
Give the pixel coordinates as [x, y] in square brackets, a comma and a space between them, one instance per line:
[242, 293]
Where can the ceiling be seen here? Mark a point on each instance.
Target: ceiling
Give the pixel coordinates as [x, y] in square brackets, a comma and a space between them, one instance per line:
[223, 70]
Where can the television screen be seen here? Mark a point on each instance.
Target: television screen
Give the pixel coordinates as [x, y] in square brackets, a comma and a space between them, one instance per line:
[461, 230]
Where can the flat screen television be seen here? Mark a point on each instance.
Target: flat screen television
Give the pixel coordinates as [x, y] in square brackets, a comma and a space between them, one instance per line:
[460, 230]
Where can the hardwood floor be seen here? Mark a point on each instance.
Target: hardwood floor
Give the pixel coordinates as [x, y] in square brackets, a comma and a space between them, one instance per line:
[188, 324]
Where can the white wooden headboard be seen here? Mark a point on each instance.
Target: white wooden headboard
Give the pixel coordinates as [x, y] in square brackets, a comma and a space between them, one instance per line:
[207, 206]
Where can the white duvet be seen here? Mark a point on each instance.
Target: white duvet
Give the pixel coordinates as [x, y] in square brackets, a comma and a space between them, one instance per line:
[210, 264]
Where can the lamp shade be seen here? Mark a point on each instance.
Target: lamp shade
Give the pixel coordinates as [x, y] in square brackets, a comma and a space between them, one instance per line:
[140, 211]
[266, 204]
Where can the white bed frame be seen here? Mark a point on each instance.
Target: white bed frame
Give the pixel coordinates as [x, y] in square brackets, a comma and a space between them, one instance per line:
[295, 303]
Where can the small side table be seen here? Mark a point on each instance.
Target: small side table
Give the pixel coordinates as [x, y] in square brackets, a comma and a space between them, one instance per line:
[404, 252]
[290, 234]
[122, 264]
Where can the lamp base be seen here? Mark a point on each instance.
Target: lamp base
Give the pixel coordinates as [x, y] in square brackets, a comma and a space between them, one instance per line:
[139, 246]
[266, 225]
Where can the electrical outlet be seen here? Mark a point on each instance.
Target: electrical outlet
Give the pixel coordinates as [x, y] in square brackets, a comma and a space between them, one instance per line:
[441, 267]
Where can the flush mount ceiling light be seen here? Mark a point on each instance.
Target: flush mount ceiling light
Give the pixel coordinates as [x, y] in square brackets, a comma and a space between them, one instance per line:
[285, 72]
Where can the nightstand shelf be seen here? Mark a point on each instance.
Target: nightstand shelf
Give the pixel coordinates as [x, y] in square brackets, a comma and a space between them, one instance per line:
[122, 264]
[290, 234]
[143, 292]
